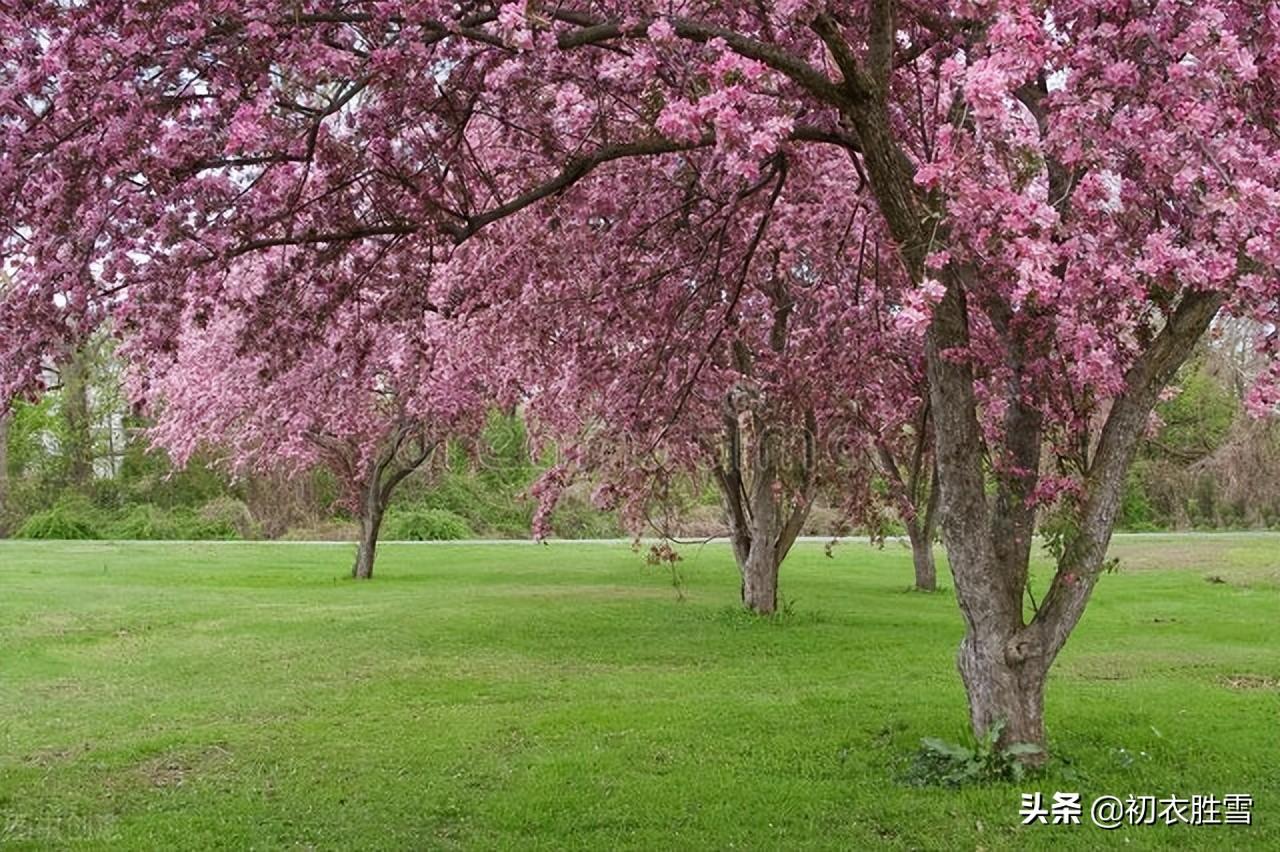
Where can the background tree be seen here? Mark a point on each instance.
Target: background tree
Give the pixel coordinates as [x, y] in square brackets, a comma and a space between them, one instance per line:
[905, 458]
[685, 346]
[4, 470]
[371, 404]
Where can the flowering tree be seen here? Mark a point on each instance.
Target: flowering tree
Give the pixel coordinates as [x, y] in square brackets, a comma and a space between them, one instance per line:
[1071, 189]
[705, 369]
[371, 408]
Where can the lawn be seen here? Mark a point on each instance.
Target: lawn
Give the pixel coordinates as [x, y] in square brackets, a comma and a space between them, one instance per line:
[167, 695]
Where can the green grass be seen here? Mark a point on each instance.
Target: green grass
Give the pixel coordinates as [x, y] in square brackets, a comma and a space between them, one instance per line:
[162, 695]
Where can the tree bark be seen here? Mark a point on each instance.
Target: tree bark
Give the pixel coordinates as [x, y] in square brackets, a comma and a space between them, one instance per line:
[77, 420]
[1003, 660]
[915, 485]
[763, 525]
[374, 485]
[757, 537]
[1001, 692]
[760, 579]
[370, 523]
[4, 469]
[922, 557]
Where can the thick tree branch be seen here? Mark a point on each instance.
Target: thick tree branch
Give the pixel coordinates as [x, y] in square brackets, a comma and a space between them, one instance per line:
[1083, 558]
[571, 173]
[592, 31]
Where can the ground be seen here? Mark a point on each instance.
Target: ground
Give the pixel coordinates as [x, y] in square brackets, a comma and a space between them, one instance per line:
[159, 695]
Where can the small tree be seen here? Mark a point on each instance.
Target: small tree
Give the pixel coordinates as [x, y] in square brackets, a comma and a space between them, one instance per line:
[370, 407]
[908, 467]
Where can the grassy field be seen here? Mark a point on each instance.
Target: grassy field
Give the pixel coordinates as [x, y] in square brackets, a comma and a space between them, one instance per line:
[516, 696]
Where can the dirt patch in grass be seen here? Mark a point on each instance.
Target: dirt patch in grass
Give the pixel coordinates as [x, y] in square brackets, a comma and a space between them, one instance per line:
[1250, 681]
[47, 758]
[178, 767]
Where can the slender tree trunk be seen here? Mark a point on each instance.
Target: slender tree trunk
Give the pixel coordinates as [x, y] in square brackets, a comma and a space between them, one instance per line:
[77, 417]
[4, 469]
[755, 549]
[377, 483]
[922, 557]
[762, 527]
[370, 524]
[761, 540]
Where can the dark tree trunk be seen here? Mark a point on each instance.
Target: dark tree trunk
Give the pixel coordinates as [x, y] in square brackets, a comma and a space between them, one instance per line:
[77, 420]
[762, 524]
[1003, 659]
[4, 469]
[366, 549]
[922, 557]
[406, 449]
[915, 485]
[760, 580]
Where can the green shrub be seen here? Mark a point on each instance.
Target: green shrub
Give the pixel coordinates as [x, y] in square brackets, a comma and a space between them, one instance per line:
[143, 522]
[70, 518]
[332, 530]
[490, 510]
[189, 525]
[576, 517]
[148, 523]
[421, 523]
[229, 515]
[1136, 512]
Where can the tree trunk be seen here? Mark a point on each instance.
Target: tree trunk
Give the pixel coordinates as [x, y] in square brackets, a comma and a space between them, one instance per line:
[4, 469]
[370, 523]
[77, 420]
[1003, 692]
[922, 557]
[763, 525]
[374, 485]
[762, 532]
[1003, 660]
[760, 578]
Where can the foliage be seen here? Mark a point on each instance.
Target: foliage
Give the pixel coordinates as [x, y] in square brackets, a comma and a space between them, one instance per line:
[228, 513]
[420, 523]
[70, 518]
[146, 522]
[496, 513]
[148, 475]
[979, 761]
[75, 517]
[1209, 465]
[575, 516]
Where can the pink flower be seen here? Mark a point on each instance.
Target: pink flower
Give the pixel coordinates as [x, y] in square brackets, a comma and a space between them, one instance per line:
[661, 32]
